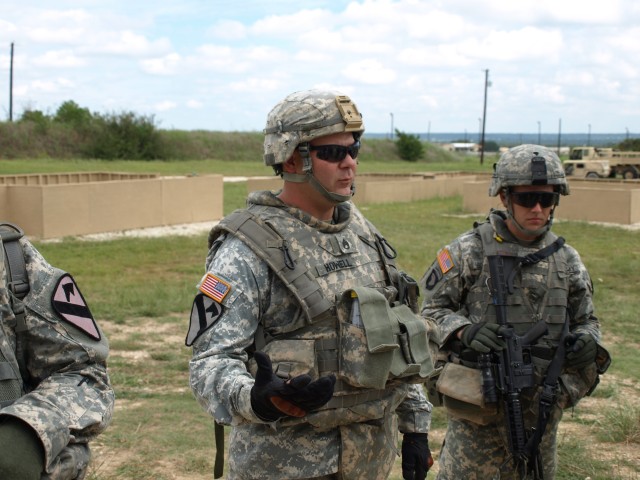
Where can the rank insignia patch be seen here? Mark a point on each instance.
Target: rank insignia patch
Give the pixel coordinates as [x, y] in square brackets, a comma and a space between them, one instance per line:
[204, 314]
[70, 305]
[214, 287]
[445, 261]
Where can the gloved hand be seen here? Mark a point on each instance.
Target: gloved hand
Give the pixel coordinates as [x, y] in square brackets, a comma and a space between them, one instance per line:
[22, 451]
[483, 337]
[416, 456]
[581, 350]
[273, 398]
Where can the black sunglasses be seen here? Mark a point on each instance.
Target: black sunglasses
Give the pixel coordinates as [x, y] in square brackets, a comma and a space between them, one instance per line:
[531, 199]
[335, 153]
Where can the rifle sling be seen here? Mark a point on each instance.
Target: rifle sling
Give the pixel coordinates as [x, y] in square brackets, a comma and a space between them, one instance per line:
[548, 394]
[543, 253]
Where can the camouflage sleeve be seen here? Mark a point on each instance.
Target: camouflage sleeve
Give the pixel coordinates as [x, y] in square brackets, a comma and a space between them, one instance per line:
[444, 286]
[581, 307]
[218, 374]
[71, 400]
[414, 413]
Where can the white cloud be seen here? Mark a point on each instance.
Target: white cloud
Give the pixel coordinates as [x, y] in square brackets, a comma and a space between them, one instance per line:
[369, 72]
[228, 30]
[167, 65]
[58, 59]
[165, 105]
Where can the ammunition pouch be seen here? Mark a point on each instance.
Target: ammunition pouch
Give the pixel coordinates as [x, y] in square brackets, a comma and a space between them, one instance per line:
[379, 342]
[461, 391]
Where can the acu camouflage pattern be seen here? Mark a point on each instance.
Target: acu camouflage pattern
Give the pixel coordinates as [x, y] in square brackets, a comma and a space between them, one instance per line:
[67, 399]
[514, 168]
[323, 442]
[303, 116]
[461, 297]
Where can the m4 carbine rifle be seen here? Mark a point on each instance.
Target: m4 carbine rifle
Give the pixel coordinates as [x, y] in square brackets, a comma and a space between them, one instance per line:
[507, 372]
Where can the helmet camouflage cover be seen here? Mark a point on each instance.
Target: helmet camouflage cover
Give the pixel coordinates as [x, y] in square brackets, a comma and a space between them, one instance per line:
[303, 116]
[528, 165]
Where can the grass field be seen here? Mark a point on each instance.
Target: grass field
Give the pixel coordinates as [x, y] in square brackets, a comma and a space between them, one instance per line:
[141, 290]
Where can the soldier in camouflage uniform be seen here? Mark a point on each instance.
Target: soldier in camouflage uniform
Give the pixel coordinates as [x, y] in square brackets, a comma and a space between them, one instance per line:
[55, 394]
[558, 289]
[302, 338]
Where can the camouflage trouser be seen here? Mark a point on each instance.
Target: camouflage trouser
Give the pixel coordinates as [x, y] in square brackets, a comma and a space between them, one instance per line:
[476, 452]
[71, 464]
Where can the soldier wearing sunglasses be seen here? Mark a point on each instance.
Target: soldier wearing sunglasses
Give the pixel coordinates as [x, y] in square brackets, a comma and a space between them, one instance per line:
[306, 338]
[549, 283]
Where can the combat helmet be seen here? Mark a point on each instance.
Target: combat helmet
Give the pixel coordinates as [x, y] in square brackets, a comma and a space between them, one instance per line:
[299, 118]
[528, 165]
[303, 116]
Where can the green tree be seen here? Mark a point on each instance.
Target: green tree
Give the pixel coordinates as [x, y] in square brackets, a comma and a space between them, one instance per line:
[126, 135]
[410, 148]
[629, 145]
[38, 118]
[491, 146]
[71, 113]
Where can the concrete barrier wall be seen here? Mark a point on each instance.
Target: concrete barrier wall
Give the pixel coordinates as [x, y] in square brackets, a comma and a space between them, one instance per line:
[384, 188]
[73, 177]
[590, 200]
[49, 210]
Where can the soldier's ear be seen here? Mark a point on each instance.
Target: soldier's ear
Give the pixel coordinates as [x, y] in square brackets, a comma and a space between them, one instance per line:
[290, 165]
[503, 198]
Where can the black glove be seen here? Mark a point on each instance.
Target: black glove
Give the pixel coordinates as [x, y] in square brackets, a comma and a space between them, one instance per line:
[416, 456]
[581, 350]
[273, 398]
[22, 451]
[483, 337]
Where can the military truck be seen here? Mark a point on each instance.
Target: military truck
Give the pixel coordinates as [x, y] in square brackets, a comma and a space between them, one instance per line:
[625, 164]
[587, 168]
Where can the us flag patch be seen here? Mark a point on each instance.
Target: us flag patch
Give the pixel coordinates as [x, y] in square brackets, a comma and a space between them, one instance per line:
[70, 305]
[214, 287]
[445, 261]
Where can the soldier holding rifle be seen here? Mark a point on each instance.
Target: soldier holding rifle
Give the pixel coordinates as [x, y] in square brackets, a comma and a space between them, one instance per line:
[514, 316]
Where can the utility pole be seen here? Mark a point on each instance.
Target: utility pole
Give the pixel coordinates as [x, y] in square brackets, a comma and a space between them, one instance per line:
[11, 86]
[484, 115]
[391, 125]
[589, 136]
[559, 134]
[539, 136]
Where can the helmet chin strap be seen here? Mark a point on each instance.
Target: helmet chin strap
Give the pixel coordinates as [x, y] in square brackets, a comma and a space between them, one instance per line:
[307, 176]
[526, 231]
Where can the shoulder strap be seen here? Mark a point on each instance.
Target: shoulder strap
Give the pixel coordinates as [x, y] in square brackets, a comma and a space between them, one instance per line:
[17, 279]
[492, 247]
[273, 248]
[17, 284]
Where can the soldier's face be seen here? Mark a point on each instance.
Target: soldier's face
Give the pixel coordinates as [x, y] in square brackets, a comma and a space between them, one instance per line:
[335, 176]
[531, 218]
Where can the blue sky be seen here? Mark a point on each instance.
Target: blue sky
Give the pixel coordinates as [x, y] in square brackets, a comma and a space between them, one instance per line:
[222, 65]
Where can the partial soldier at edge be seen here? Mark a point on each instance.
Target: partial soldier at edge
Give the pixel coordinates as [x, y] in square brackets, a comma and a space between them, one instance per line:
[55, 393]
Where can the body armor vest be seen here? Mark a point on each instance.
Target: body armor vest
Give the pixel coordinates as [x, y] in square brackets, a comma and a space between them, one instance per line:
[541, 291]
[328, 272]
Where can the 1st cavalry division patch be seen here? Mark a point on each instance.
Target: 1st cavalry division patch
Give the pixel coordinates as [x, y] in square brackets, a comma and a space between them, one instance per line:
[204, 314]
[70, 305]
